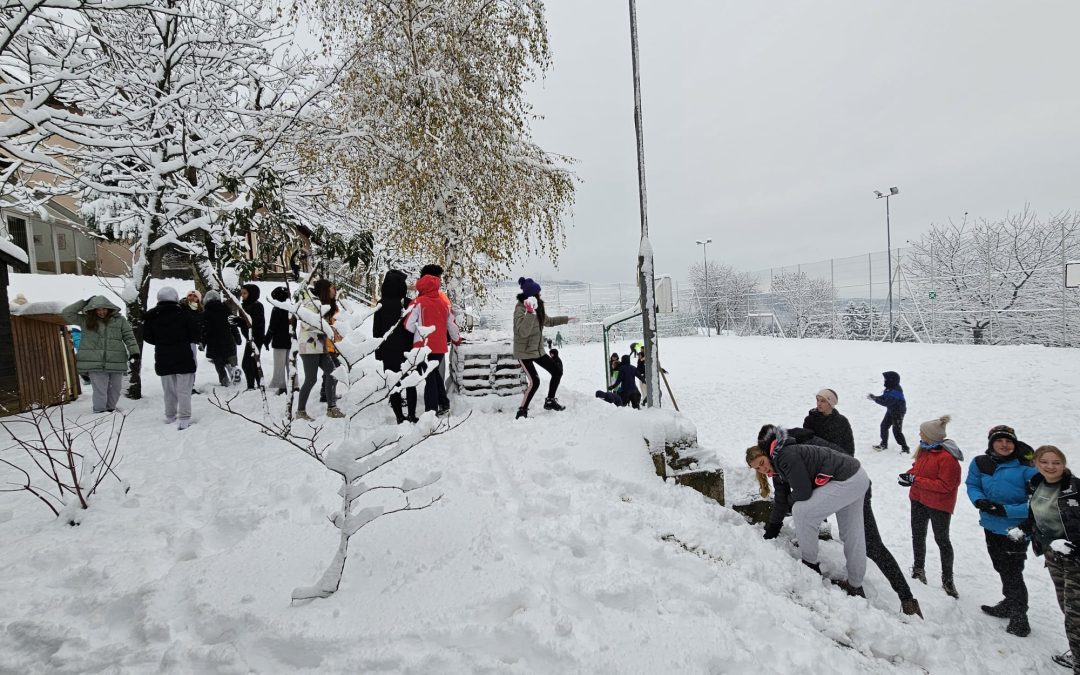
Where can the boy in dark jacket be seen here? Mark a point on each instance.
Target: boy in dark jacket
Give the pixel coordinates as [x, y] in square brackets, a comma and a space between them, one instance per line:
[254, 334]
[387, 324]
[827, 422]
[626, 383]
[279, 337]
[895, 409]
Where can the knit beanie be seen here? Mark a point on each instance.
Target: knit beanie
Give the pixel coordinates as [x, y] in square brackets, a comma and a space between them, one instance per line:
[934, 430]
[196, 293]
[167, 294]
[1001, 431]
[830, 396]
[529, 288]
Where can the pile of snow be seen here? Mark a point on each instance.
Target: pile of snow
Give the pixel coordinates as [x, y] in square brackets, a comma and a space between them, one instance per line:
[10, 248]
[554, 549]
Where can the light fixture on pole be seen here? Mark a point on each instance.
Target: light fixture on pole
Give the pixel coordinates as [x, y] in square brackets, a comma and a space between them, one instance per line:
[705, 259]
[893, 191]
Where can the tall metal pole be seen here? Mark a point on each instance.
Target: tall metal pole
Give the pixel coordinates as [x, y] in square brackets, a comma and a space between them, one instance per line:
[888, 243]
[646, 273]
[708, 303]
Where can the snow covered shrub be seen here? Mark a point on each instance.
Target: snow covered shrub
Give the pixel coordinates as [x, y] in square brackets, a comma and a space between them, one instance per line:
[364, 444]
[64, 460]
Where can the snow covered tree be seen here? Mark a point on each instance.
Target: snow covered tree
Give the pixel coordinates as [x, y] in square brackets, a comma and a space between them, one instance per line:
[434, 146]
[1003, 276]
[860, 321]
[364, 445]
[727, 298]
[808, 303]
[191, 105]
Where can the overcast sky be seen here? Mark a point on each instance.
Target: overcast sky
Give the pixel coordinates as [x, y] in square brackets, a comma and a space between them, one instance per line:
[768, 125]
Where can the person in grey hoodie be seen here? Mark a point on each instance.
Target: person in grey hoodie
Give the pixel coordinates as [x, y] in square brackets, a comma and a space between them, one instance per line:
[823, 481]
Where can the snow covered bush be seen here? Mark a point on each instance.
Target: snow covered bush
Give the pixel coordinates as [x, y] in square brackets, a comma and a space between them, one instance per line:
[63, 461]
[360, 445]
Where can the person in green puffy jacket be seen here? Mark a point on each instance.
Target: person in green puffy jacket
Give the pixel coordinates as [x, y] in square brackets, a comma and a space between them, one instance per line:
[107, 348]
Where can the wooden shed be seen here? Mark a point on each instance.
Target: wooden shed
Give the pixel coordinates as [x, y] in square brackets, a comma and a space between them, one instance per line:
[39, 366]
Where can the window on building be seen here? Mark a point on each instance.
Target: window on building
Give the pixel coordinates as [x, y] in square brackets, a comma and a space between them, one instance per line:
[17, 230]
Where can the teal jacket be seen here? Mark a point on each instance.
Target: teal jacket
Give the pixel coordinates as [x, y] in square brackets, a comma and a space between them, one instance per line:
[110, 344]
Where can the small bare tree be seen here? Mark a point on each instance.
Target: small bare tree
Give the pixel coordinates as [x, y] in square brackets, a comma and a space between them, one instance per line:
[67, 460]
[724, 298]
[364, 446]
[809, 302]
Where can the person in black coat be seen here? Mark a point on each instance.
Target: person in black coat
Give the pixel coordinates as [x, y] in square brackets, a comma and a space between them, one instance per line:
[279, 338]
[397, 341]
[626, 383]
[895, 409]
[172, 330]
[255, 334]
[221, 337]
[827, 422]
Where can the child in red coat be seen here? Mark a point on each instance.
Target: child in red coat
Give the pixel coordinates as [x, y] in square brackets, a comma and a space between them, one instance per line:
[934, 480]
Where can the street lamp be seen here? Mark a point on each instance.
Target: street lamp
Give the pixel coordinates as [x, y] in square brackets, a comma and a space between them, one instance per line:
[888, 242]
[705, 259]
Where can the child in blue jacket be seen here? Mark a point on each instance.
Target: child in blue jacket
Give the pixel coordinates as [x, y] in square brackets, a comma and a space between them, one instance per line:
[997, 486]
[895, 409]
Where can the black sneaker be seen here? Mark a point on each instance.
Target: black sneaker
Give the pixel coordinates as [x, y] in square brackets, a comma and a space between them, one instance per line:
[1000, 610]
[853, 591]
[1018, 626]
[905, 450]
[553, 404]
[522, 412]
[1065, 659]
[918, 573]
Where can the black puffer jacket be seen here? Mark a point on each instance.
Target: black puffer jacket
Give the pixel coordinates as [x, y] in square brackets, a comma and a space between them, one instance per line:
[833, 427]
[388, 318]
[172, 330]
[782, 497]
[254, 310]
[278, 331]
[806, 466]
[221, 337]
[1068, 502]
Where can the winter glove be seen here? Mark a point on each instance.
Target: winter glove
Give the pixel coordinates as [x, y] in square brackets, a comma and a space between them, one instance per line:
[202, 347]
[234, 320]
[1064, 547]
[906, 479]
[987, 506]
[1016, 534]
[869, 397]
[530, 305]
[772, 530]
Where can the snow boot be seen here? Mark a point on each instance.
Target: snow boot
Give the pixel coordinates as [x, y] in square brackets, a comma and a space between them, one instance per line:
[814, 566]
[949, 587]
[184, 423]
[553, 404]
[905, 450]
[1064, 659]
[911, 607]
[334, 412]
[853, 591]
[1000, 610]
[1018, 626]
[302, 415]
[522, 412]
[880, 447]
[918, 573]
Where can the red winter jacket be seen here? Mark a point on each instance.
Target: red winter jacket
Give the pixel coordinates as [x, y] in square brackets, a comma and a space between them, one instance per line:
[937, 477]
[429, 309]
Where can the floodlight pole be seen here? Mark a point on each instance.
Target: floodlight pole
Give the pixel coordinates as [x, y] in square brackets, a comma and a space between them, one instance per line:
[705, 260]
[888, 254]
[646, 272]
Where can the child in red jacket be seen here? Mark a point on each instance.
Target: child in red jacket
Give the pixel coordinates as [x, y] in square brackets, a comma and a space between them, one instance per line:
[934, 480]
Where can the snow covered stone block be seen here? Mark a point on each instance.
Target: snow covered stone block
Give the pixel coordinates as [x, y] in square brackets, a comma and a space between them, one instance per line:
[757, 511]
[709, 482]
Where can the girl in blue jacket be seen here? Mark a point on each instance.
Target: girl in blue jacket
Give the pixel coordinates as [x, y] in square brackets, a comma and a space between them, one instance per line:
[997, 486]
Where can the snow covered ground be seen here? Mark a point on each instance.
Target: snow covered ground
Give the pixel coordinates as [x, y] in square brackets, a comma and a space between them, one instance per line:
[550, 551]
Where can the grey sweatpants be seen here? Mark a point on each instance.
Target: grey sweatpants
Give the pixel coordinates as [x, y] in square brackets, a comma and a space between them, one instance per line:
[845, 499]
[177, 390]
[106, 386]
[281, 357]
